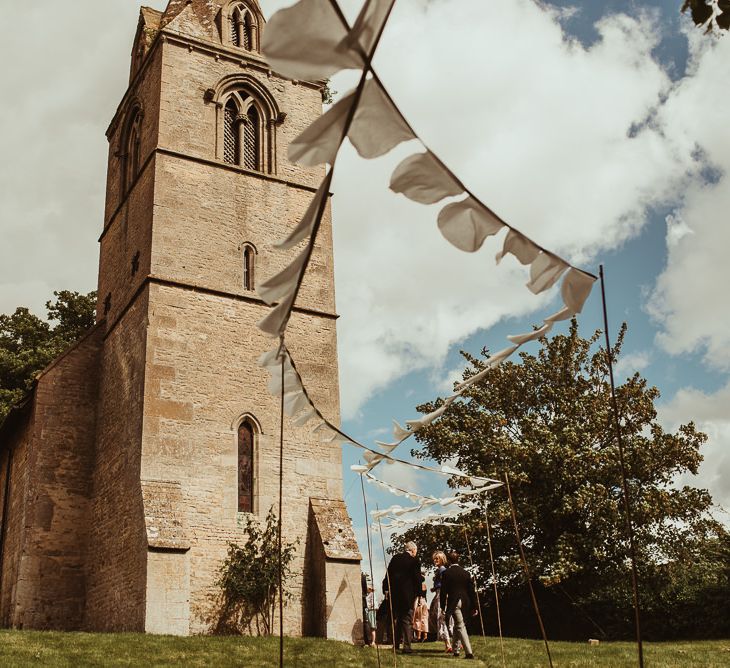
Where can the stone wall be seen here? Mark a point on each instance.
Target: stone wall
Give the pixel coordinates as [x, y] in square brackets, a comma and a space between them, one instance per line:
[15, 449]
[117, 563]
[44, 583]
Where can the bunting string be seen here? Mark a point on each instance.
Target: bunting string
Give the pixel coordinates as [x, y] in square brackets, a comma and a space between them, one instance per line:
[313, 40]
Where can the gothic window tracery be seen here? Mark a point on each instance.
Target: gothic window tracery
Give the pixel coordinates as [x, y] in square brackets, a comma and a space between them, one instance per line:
[243, 132]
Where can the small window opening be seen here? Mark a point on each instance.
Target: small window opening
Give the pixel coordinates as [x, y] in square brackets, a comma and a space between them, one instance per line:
[108, 303]
[248, 268]
[245, 467]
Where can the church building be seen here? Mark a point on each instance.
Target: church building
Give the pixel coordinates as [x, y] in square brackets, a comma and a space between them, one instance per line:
[142, 450]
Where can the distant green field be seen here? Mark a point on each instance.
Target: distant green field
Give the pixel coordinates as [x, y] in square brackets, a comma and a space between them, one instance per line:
[31, 648]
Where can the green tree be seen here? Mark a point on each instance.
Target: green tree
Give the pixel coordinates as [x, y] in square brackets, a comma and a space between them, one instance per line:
[547, 422]
[249, 579]
[28, 343]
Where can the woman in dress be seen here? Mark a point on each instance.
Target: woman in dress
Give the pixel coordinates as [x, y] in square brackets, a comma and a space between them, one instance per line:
[442, 629]
[420, 613]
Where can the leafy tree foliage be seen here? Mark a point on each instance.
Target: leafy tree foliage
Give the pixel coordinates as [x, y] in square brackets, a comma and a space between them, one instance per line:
[701, 12]
[28, 343]
[249, 579]
[547, 422]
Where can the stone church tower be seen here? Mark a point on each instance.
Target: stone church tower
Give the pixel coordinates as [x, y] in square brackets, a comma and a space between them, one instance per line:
[141, 450]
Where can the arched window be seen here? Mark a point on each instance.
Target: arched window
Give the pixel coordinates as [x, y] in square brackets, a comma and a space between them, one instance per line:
[242, 132]
[247, 117]
[131, 149]
[249, 255]
[245, 467]
[242, 26]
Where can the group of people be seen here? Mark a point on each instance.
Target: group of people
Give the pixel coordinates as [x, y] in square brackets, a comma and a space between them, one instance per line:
[404, 587]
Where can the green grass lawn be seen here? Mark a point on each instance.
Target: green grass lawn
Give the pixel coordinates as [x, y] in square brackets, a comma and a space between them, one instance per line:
[32, 648]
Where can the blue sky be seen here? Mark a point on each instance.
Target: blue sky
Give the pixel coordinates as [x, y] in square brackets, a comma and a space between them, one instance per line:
[586, 125]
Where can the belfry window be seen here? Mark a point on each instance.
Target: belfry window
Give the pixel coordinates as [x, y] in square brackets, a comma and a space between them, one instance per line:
[242, 27]
[245, 467]
[249, 255]
[242, 132]
[247, 117]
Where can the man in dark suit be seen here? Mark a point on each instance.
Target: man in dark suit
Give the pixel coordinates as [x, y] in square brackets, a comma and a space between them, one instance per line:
[403, 581]
[458, 598]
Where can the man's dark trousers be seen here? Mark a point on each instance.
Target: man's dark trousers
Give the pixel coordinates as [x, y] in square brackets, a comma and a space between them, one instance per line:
[403, 628]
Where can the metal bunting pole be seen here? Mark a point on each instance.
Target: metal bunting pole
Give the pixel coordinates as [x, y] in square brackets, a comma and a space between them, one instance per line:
[370, 556]
[626, 494]
[527, 571]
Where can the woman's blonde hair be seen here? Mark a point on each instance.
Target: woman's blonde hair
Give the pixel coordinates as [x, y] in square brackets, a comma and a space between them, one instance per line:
[440, 557]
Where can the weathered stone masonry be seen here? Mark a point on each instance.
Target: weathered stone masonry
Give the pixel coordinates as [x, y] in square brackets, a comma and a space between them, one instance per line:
[122, 494]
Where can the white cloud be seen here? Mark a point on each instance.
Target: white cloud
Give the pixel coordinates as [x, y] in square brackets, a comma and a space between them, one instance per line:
[59, 98]
[630, 363]
[711, 413]
[552, 135]
[690, 299]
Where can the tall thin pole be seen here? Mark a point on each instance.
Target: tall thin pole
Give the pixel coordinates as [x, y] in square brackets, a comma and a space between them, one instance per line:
[476, 589]
[281, 507]
[494, 582]
[390, 591]
[627, 497]
[370, 557]
[527, 571]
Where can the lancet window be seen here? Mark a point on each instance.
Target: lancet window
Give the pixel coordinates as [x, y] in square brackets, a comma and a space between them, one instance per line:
[246, 453]
[249, 258]
[131, 149]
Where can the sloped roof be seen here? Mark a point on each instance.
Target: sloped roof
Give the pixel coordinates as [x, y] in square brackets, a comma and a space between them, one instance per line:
[202, 11]
[151, 17]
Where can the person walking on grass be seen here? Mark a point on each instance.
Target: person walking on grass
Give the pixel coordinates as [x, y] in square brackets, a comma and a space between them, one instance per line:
[458, 598]
[403, 583]
[438, 614]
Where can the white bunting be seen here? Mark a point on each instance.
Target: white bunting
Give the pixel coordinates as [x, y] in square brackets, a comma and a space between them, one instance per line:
[422, 178]
[306, 42]
[320, 142]
[466, 224]
[520, 339]
[399, 433]
[520, 246]
[368, 26]
[545, 270]
[306, 224]
[377, 126]
[387, 447]
[274, 323]
[563, 314]
[494, 361]
[576, 287]
[285, 282]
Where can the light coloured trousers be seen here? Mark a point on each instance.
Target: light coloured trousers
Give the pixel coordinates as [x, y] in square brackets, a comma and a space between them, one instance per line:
[460, 635]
